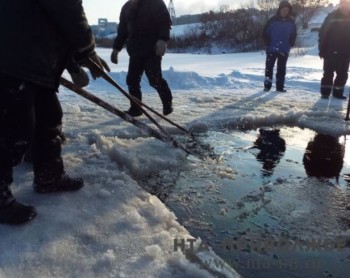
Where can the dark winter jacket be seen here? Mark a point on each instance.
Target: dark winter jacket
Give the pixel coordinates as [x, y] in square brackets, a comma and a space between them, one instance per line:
[37, 38]
[334, 35]
[141, 25]
[280, 33]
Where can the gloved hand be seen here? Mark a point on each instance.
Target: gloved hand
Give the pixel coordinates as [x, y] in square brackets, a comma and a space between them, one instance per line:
[78, 75]
[80, 78]
[98, 61]
[114, 56]
[160, 47]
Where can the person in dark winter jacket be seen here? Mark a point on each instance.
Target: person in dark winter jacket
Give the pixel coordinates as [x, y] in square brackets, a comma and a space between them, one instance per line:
[334, 49]
[279, 35]
[51, 34]
[144, 27]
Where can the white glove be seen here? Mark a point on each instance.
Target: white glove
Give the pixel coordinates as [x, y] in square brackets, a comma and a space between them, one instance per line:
[160, 47]
[114, 56]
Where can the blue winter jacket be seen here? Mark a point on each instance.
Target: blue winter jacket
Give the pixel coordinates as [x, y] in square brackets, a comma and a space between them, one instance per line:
[279, 34]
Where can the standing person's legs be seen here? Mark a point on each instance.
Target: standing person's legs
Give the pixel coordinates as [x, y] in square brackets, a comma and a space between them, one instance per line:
[153, 70]
[269, 64]
[328, 75]
[281, 71]
[133, 80]
[49, 175]
[341, 69]
[16, 132]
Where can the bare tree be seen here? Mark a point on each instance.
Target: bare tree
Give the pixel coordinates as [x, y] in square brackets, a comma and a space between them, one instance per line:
[306, 9]
[268, 8]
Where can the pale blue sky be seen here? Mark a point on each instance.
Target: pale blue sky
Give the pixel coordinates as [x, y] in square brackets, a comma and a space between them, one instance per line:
[110, 9]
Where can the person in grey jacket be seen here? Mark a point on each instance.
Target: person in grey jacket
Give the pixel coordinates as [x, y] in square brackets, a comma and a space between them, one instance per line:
[38, 39]
[279, 35]
[145, 29]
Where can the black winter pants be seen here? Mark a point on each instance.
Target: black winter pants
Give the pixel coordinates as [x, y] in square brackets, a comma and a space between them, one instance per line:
[281, 68]
[334, 63]
[30, 116]
[151, 65]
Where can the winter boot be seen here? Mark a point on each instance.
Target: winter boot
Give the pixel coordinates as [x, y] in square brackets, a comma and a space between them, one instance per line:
[135, 92]
[338, 92]
[267, 84]
[281, 90]
[65, 183]
[325, 91]
[134, 112]
[12, 212]
[167, 108]
[280, 85]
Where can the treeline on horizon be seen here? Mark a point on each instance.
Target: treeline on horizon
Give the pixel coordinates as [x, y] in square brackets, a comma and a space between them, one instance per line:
[237, 30]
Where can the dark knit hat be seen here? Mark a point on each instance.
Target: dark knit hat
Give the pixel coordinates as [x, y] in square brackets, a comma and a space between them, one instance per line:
[285, 4]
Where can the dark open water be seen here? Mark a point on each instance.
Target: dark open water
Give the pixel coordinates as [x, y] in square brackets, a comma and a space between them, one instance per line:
[276, 203]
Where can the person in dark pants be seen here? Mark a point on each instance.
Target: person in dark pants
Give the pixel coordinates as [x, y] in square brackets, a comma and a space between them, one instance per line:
[279, 35]
[334, 49]
[144, 27]
[54, 32]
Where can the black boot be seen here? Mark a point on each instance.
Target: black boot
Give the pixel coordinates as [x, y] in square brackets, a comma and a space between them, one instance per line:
[134, 112]
[12, 212]
[338, 92]
[167, 108]
[325, 91]
[281, 90]
[65, 183]
[135, 92]
[267, 84]
[280, 86]
[49, 174]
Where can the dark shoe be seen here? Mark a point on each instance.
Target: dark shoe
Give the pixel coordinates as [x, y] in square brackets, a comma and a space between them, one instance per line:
[134, 112]
[338, 92]
[15, 213]
[324, 97]
[267, 84]
[281, 90]
[167, 108]
[339, 97]
[66, 183]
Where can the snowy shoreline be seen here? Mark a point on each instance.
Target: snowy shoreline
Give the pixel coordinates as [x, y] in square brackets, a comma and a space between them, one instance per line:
[112, 227]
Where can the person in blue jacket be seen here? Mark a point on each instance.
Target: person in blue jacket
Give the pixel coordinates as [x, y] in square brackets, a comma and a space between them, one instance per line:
[279, 35]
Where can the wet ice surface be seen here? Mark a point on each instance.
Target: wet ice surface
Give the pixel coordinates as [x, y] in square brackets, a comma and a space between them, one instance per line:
[259, 192]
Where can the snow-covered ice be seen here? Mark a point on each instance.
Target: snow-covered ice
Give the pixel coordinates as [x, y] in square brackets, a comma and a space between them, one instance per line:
[113, 227]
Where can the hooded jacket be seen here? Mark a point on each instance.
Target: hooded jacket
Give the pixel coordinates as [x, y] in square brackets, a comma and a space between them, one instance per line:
[141, 25]
[279, 33]
[38, 37]
[334, 35]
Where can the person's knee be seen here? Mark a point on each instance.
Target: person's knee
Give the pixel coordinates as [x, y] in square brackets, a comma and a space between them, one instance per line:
[157, 82]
